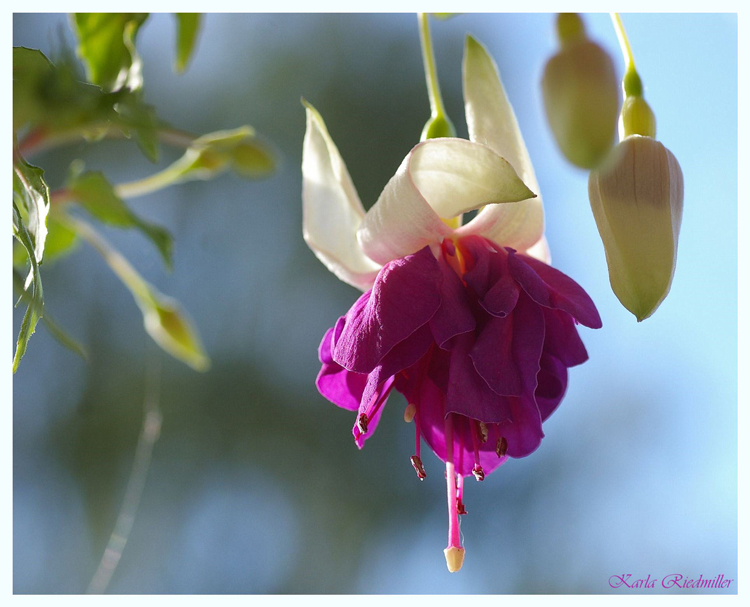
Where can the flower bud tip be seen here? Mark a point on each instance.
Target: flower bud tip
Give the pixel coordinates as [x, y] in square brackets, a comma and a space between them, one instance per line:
[454, 558]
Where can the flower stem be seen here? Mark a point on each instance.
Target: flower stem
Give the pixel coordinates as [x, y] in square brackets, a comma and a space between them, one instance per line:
[439, 125]
[39, 140]
[631, 83]
[150, 431]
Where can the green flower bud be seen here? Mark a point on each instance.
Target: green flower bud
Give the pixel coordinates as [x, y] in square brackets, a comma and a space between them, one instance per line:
[636, 197]
[581, 99]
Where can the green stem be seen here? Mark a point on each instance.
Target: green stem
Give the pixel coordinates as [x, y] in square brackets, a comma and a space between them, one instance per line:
[119, 265]
[38, 140]
[152, 421]
[631, 83]
[439, 125]
[430, 71]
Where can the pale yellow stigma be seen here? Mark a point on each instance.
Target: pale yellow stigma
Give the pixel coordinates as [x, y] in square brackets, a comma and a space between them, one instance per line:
[454, 558]
[410, 412]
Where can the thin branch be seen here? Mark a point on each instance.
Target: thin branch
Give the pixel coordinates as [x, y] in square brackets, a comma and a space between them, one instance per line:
[149, 435]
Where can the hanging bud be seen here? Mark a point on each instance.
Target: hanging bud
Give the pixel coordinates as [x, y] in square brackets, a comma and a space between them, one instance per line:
[581, 95]
[637, 203]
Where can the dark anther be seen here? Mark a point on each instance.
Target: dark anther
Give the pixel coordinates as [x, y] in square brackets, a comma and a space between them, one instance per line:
[418, 467]
[461, 508]
[502, 447]
[483, 434]
[478, 472]
[362, 423]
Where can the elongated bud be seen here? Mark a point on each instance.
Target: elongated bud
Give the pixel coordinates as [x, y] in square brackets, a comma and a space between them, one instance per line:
[581, 95]
[637, 203]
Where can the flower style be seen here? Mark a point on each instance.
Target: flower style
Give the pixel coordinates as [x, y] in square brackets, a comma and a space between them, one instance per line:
[468, 322]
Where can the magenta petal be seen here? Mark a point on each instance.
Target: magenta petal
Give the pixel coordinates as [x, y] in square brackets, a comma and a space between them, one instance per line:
[454, 316]
[372, 422]
[468, 393]
[552, 383]
[343, 388]
[405, 296]
[507, 351]
[403, 355]
[432, 421]
[524, 431]
[562, 340]
[553, 289]
[491, 279]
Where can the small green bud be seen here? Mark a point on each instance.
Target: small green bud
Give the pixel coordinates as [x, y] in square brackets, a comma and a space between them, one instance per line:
[173, 330]
[636, 198]
[581, 99]
[637, 118]
[252, 159]
[438, 126]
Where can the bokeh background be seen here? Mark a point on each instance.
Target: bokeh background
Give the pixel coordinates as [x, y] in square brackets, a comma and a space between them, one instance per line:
[256, 485]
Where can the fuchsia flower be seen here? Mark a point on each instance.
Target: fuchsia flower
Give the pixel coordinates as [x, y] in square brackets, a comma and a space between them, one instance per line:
[468, 322]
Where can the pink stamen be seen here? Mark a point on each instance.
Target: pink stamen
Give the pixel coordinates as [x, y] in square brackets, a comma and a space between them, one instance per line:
[475, 432]
[460, 494]
[454, 534]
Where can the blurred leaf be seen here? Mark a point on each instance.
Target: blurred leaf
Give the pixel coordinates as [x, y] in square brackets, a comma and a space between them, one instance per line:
[31, 194]
[98, 197]
[35, 307]
[60, 242]
[55, 330]
[106, 43]
[163, 318]
[52, 100]
[136, 117]
[187, 33]
[210, 155]
[30, 67]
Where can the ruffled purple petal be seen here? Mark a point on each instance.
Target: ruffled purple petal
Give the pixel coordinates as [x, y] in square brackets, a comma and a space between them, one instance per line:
[403, 355]
[372, 422]
[454, 316]
[405, 296]
[432, 422]
[552, 383]
[562, 340]
[468, 393]
[507, 351]
[524, 431]
[343, 388]
[489, 277]
[553, 289]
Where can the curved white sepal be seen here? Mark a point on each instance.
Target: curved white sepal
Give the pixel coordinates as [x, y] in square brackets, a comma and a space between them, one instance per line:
[439, 179]
[492, 122]
[331, 209]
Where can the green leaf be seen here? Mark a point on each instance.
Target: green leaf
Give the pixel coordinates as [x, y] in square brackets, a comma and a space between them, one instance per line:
[35, 307]
[31, 194]
[165, 321]
[98, 197]
[55, 330]
[106, 44]
[210, 155]
[52, 100]
[60, 242]
[30, 67]
[187, 33]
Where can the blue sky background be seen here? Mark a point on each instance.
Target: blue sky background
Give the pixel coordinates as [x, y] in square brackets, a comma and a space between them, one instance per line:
[256, 485]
